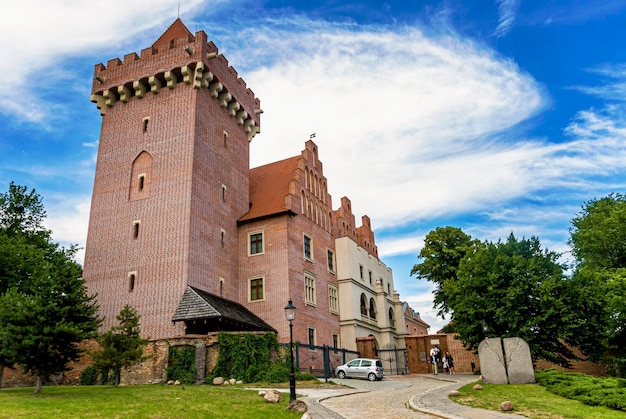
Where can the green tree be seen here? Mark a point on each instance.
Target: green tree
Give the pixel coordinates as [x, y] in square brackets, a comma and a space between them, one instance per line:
[444, 249]
[44, 308]
[42, 324]
[122, 346]
[598, 242]
[514, 288]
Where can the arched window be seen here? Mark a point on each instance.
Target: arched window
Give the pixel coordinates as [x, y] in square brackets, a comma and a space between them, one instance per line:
[392, 320]
[140, 176]
[372, 309]
[363, 305]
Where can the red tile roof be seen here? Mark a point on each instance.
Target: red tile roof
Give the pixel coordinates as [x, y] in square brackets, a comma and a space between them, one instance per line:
[269, 185]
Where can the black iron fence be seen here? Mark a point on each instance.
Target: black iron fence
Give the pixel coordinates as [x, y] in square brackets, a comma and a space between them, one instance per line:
[321, 361]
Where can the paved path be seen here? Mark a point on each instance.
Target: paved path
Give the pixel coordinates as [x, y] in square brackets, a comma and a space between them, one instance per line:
[409, 396]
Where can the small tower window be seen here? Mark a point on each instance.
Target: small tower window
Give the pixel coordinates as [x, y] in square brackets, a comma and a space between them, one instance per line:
[223, 193]
[142, 181]
[222, 236]
[131, 281]
[145, 122]
[225, 137]
[136, 229]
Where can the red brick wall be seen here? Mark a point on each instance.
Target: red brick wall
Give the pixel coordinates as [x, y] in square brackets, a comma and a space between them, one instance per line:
[182, 214]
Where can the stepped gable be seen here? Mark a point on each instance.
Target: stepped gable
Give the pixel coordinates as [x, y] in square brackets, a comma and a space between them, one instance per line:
[346, 226]
[177, 57]
[269, 189]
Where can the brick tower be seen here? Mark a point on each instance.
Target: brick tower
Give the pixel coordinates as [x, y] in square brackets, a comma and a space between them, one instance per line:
[172, 178]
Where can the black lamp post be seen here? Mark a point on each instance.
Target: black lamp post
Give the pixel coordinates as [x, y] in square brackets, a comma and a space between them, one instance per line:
[290, 314]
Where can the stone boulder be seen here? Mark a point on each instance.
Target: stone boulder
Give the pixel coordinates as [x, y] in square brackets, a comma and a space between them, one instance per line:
[297, 406]
[272, 396]
[477, 387]
[262, 393]
[506, 406]
[218, 381]
[454, 393]
[176, 383]
[232, 381]
[170, 382]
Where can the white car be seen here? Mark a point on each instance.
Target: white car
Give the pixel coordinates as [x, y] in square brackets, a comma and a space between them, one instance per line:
[372, 369]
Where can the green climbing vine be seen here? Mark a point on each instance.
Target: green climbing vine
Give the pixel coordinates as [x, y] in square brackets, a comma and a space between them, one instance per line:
[248, 357]
[181, 364]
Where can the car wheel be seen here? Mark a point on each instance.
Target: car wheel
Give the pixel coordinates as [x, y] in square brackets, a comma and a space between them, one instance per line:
[341, 374]
[371, 376]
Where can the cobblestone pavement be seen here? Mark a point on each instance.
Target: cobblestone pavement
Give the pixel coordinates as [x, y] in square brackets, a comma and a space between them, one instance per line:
[413, 396]
[384, 399]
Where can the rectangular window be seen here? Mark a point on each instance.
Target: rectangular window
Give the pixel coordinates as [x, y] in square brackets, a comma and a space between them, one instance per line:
[136, 229]
[370, 276]
[256, 289]
[223, 193]
[131, 281]
[308, 247]
[331, 260]
[309, 289]
[255, 243]
[311, 336]
[335, 340]
[361, 271]
[142, 181]
[333, 299]
[145, 122]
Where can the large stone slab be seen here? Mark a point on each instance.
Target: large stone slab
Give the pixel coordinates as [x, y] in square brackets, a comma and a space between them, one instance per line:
[519, 363]
[492, 363]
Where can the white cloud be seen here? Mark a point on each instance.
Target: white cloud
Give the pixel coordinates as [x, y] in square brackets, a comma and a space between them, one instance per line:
[401, 119]
[506, 16]
[39, 34]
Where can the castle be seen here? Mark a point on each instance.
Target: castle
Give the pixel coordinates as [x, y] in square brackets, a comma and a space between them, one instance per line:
[184, 231]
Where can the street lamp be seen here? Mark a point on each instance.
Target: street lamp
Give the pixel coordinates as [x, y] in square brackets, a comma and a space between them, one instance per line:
[290, 314]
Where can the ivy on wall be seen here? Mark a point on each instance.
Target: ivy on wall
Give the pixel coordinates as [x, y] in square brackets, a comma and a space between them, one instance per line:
[181, 364]
[248, 357]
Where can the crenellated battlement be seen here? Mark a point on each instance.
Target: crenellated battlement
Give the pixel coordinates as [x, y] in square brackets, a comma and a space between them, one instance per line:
[177, 57]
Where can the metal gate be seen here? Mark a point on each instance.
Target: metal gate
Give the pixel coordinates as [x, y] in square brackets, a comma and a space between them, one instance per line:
[394, 361]
[320, 361]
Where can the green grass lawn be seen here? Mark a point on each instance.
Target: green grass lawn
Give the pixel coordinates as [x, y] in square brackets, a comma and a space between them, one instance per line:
[144, 401]
[533, 401]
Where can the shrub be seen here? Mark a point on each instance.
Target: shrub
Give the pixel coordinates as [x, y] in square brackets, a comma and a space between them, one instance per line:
[89, 376]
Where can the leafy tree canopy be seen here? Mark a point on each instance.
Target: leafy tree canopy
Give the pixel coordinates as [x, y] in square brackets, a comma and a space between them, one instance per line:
[598, 242]
[443, 250]
[44, 307]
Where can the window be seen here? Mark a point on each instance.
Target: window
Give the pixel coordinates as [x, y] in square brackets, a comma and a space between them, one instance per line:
[392, 321]
[225, 137]
[256, 289]
[363, 305]
[309, 289]
[372, 309]
[388, 286]
[308, 247]
[361, 271]
[335, 340]
[311, 336]
[256, 243]
[142, 181]
[331, 260]
[333, 299]
[370, 277]
[145, 122]
[223, 193]
[131, 281]
[222, 236]
[136, 229]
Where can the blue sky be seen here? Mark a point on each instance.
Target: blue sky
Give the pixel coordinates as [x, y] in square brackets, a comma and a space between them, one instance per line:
[493, 116]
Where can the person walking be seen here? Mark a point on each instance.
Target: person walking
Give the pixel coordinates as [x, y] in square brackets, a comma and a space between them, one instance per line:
[449, 361]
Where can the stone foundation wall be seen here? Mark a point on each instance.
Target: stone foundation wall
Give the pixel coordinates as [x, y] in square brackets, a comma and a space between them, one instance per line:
[152, 370]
